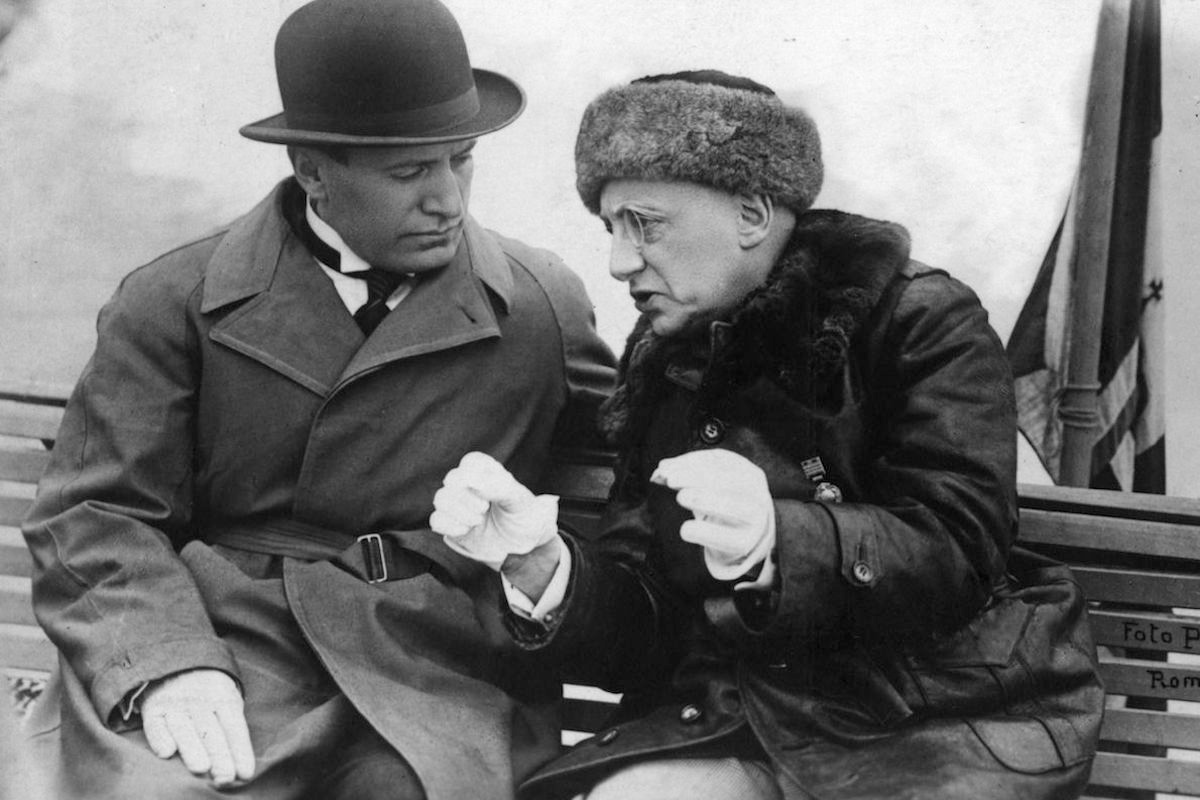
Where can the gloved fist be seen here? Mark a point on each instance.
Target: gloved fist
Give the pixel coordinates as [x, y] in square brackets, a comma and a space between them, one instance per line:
[485, 514]
[199, 715]
[734, 513]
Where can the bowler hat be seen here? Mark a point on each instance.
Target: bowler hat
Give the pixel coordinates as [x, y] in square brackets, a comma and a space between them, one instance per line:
[381, 72]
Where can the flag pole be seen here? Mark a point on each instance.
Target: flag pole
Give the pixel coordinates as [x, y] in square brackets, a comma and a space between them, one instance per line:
[1089, 268]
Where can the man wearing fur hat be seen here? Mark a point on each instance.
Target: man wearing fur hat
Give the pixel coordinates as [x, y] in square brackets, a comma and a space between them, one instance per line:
[804, 583]
[231, 542]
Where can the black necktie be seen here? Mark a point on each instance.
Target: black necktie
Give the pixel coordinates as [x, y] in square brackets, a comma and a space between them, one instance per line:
[380, 283]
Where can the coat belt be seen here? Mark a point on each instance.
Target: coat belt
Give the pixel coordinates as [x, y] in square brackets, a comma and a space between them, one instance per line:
[376, 557]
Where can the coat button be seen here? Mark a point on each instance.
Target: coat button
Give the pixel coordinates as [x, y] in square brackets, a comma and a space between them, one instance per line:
[608, 736]
[712, 431]
[690, 713]
[862, 572]
[827, 492]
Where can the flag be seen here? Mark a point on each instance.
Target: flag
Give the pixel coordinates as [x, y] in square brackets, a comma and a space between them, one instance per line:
[1108, 237]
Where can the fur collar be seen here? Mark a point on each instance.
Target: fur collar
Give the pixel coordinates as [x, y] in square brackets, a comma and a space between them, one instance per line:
[796, 328]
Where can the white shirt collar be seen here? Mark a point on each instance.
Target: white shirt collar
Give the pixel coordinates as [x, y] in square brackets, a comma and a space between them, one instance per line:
[350, 260]
[352, 291]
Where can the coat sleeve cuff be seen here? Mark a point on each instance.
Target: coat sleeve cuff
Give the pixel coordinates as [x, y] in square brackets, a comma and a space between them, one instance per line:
[810, 585]
[114, 683]
[582, 595]
[131, 706]
[544, 610]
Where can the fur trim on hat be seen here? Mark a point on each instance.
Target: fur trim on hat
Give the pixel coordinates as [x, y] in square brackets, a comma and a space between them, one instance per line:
[730, 139]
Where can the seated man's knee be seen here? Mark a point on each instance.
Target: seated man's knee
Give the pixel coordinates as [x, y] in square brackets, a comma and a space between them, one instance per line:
[687, 778]
[369, 770]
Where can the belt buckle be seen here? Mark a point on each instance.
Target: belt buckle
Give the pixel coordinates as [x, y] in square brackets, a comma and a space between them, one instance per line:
[374, 557]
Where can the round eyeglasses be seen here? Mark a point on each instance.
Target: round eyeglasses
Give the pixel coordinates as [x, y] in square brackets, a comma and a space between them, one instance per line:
[635, 225]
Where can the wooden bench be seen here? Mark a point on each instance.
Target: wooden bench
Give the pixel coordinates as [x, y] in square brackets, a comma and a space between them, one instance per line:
[1137, 557]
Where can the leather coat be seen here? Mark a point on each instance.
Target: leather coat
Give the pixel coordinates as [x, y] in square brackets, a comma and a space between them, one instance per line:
[907, 649]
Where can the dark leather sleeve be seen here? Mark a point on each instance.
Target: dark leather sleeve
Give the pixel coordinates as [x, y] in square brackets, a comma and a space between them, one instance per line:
[920, 554]
[618, 626]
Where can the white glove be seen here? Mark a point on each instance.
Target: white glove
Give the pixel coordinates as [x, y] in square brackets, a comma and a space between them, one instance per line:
[485, 514]
[199, 715]
[734, 512]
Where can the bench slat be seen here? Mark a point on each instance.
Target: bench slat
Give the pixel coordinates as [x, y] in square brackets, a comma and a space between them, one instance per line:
[15, 606]
[1146, 630]
[1111, 534]
[24, 466]
[14, 555]
[1175, 729]
[1130, 676]
[1104, 503]
[1139, 587]
[586, 716]
[12, 509]
[586, 483]
[578, 691]
[28, 419]
[26, 648]
[1143, 772]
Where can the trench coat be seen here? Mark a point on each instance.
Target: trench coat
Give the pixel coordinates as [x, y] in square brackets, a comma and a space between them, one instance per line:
[906, 648]
[230, 437]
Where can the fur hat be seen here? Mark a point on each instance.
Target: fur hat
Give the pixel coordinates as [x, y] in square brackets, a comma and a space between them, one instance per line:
[704, 127]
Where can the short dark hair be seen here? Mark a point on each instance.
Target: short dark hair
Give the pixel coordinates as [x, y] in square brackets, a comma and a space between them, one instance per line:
[338, 153]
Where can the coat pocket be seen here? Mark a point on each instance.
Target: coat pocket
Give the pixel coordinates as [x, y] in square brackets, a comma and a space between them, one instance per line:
[1021, 676]
[1020, 743]
[988, 640]
[964, 672]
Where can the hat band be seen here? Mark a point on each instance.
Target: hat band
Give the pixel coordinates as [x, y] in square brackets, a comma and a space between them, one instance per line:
[412, 122]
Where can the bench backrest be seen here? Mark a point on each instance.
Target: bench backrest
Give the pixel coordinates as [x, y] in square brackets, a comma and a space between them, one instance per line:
[28, 424]
[1136, 556]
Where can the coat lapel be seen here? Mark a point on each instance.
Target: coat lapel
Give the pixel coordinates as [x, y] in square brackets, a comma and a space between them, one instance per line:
[449, 308]
[293, 322]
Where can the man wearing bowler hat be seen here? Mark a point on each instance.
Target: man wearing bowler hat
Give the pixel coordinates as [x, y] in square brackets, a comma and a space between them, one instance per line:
[231, 542]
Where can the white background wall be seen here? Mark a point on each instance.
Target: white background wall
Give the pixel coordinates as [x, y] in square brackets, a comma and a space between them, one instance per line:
[958, 118]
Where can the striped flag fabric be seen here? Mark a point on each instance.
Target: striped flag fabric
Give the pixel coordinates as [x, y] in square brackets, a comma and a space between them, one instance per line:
[1127, 429]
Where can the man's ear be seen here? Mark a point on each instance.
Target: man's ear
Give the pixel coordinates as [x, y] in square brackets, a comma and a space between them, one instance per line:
[756, 213]
[309, 167]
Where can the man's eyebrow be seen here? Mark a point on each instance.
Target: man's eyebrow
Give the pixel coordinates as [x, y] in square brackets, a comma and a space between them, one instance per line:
[403, 161]
[616, 210]
[634, 206]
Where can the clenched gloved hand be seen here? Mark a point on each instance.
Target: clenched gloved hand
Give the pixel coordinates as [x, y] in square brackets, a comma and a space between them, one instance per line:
[734, 513]
[486, 514]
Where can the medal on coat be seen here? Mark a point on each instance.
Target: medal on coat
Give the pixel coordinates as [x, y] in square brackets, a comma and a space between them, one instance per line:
[825, 491]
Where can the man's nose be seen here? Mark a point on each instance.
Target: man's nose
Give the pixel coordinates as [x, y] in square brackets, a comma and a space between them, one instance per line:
[624, 260]
[444, 193]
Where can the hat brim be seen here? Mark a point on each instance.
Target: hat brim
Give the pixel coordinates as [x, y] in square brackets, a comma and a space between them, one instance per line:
[501, 101]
